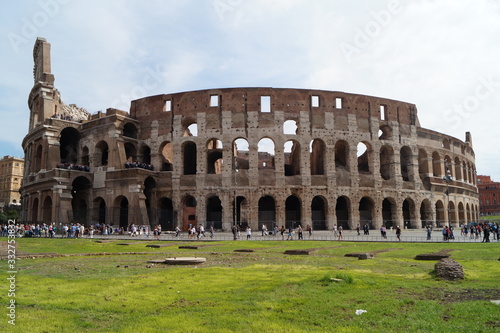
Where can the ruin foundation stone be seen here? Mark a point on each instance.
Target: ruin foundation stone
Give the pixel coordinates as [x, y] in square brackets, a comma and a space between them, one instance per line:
[449, 269]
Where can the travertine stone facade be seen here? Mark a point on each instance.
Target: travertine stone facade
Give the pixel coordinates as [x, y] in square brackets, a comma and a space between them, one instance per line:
[249, 156]
[11, 177]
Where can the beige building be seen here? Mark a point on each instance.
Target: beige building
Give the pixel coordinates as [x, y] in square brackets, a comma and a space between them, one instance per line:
[11, 177]
[246, 156]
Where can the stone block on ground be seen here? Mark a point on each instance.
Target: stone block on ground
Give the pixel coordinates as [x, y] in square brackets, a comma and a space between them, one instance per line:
[449, 269]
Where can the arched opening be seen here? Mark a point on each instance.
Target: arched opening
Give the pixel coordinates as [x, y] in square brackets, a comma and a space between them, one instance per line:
[318, 213]
[189, 212]
[292, 158]
[366, 212]
[317, 150]
[214, 213]
[386, 162]
[81, 191]
[47, 210]
[102, 152]
[130, 131]
[150, 194]
[461, 213]
[342, 212]
[436, 165]
[425, 213]
[266, 153]
[342, 155]
[423, 166]
[99, 210]
[240, 154]
[446, 143]
[85, 160]
[363, 158]
[240, 212]
[290, 127]
[409, 214]
[130, 152]
[34, 210]
[458, 169]
[267, 212]
[167, 154]
[464, 172]
[191, 130]
[166, 214]
[189, 158]
[448, 168]
[68, 145]
[146, 154]
[388, 213]
[453, 214]
[292, 212]
[406, 161]
[214, 157]
[38, 159]
[123, 213]
[440, 214]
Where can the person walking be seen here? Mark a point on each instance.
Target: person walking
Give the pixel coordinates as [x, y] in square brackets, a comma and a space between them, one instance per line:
[429, 232]
[398, 233]
[300, 232]
[249, 233]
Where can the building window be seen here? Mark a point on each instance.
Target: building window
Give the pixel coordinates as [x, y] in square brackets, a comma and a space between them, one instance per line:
[214, 100]
[265, 103]
[338, 103]
[168, 106]
[383, 110]
[314, 101]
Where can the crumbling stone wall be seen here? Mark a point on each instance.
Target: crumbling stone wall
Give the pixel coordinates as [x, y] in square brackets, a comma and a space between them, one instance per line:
[226, 156]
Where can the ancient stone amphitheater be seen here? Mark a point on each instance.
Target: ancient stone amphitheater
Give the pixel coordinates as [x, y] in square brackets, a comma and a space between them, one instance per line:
[244, 156]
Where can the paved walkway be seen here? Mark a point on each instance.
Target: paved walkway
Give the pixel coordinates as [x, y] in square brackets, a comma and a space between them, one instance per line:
[412, 235]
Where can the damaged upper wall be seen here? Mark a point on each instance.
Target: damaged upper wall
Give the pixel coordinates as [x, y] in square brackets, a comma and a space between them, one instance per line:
[268, 100]
[45, 100]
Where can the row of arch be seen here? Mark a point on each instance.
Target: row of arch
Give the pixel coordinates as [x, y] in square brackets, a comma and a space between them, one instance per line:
[457, 168]
[321, 213]
[460, 169]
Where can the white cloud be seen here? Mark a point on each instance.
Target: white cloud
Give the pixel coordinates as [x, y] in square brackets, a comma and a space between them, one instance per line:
[431, 53]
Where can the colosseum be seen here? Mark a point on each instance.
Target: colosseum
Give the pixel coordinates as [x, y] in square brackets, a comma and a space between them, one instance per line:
[242, 156]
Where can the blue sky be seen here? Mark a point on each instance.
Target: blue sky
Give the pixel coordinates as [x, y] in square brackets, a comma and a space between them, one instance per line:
[441, 55]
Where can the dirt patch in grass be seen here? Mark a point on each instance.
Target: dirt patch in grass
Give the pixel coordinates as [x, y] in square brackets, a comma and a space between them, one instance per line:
[453, 296]
[444, 253]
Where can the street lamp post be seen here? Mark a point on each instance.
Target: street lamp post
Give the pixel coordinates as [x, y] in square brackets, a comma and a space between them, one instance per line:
[448, 179]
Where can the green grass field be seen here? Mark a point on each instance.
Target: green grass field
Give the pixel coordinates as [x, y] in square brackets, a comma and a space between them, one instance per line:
[260, 291]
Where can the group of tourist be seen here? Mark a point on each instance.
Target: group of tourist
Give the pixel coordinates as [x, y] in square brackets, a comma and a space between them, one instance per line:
[72, 166]
[290, 231]
[31, 230]
[137, 164]
[196, 232]
[484, 230]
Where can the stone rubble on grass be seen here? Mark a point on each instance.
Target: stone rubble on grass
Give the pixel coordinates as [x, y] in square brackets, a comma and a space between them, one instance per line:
[449, 269]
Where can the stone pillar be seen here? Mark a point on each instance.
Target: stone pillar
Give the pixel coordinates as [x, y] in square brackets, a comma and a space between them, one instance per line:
[227, 211]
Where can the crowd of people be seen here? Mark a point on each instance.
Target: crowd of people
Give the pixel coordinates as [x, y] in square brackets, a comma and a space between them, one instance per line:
[72, 166]
[137, 164]
[484, 231]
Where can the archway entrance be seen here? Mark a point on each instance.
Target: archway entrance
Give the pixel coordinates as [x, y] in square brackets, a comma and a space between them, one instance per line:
[318, 212]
